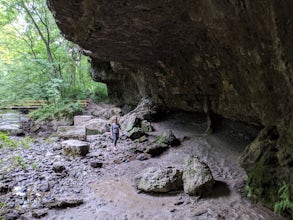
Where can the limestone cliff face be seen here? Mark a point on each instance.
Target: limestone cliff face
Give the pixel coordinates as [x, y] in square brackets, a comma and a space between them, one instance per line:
[233, 58]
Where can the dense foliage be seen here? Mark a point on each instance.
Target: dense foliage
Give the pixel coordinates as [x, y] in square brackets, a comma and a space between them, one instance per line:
[36, 62]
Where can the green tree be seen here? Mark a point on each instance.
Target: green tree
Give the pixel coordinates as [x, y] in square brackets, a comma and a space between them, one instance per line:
[36, 62]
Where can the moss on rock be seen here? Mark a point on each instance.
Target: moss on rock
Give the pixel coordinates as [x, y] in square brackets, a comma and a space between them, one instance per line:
[266, 173]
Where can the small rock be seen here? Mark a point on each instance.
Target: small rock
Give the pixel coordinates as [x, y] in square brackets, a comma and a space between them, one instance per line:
[66, 202]
[96, 164]
[179, 203]
[142, 139]
[58, 167]
[39, 213]
[45, 186]
[57, 147]
[143, 156]
[201, 212]
[5, 188]
[12, 216]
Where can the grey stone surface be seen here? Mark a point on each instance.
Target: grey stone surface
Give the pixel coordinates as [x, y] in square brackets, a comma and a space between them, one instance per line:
[81, 119]
[168, 138]
[65, 202]
[135, 133]
[156, 149]
[159, 180]
[197, 177]
[75, 147]
[96, 126]
[71, 132]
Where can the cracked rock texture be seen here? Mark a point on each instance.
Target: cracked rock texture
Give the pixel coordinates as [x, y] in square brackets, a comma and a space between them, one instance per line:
[232, 58]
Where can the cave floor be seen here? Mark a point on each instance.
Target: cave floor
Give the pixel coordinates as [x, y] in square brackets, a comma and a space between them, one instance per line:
[110, 193]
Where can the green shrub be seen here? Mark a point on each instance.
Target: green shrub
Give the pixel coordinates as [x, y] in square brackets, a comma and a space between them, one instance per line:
[3, 209]
[253, 187]
[62, 109]
[284, 203]
[5, 141]
[18, 160]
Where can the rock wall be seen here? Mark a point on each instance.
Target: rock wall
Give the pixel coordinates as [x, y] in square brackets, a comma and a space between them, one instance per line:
[232, 58]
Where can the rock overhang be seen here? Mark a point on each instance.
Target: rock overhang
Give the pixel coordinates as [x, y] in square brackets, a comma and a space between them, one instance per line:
[229, 58]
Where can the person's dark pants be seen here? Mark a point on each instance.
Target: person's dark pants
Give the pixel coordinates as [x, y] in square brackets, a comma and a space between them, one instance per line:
[115, 138]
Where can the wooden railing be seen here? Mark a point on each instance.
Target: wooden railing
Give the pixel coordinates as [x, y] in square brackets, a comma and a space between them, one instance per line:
[84, 103]
[33, 104]
[28, 104]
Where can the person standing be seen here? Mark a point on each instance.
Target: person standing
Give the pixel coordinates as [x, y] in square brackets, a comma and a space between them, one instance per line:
[115, 126]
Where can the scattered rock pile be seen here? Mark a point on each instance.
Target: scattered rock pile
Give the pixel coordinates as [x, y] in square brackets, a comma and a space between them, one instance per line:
[53, 172]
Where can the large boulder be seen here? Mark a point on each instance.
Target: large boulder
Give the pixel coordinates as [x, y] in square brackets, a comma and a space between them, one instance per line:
[135, 133]
[130, 121]
[80, 120]
[107, 113]
[197, 177]
[96, 126]
[75, 147]
[146, 126]
[168, 138]
[139, 117]
[159, 180]
[71, 132]
[55, 123]
[156, 149]
[146, 110]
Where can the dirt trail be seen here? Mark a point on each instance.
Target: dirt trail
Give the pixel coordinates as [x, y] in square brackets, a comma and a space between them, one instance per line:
[110, 193]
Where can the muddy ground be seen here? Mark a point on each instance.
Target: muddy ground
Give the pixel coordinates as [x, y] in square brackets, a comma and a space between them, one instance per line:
[109, 192]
